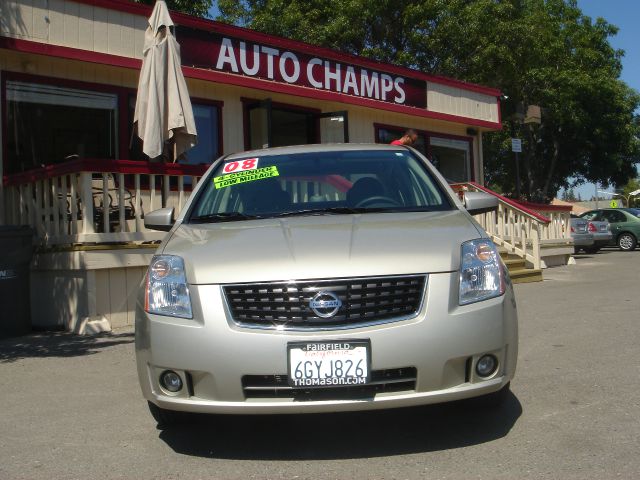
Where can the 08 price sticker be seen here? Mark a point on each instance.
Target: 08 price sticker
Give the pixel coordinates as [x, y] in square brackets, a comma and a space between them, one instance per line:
[240, 165]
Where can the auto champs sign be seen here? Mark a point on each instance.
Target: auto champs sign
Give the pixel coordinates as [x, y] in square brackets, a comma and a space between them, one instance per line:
[235, 56]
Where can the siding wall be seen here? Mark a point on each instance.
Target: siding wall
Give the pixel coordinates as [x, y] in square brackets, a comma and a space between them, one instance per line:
[67, 287]
[76, 25]
[463, 103]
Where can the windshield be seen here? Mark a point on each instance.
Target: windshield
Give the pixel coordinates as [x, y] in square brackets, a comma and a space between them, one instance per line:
[325, 182]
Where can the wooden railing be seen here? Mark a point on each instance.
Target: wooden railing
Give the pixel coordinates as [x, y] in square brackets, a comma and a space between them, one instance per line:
[558, 230]
[519, 229]
[95, 201]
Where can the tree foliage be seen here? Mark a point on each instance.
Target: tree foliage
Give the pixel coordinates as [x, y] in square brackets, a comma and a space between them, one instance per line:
[537, 52]
[632, 185]
[198, 8]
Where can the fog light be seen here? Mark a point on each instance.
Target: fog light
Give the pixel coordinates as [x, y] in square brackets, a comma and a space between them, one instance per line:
[171, 381]
[486, 365]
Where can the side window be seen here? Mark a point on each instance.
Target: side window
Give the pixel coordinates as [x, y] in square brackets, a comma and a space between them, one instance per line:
[619, 217]
[614, 217]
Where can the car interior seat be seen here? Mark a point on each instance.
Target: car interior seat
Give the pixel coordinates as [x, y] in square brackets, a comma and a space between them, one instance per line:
[264, 196]
[364, 188]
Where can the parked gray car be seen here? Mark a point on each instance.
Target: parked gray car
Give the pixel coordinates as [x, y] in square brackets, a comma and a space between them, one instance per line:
[320, 279]
[602, 236]
[582, 238]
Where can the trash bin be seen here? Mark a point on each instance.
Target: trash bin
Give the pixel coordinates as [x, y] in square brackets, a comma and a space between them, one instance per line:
[16, 249]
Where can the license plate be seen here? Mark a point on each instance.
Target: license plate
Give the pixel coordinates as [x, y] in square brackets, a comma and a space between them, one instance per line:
[329, 364]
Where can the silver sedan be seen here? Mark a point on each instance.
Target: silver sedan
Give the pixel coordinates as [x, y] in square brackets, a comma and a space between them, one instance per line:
[323, 279]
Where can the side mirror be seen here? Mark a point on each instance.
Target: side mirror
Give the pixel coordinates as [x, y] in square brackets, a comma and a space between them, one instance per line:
[480, 202]
[161, 219]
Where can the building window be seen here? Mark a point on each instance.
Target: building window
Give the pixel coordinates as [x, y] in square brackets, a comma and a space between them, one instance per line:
[49, 124]
[207, 118]
[451, 155]
[269, 124]
[389, 134]
[451, 158]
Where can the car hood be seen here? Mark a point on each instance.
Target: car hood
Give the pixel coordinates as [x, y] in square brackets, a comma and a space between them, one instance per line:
[326, 246]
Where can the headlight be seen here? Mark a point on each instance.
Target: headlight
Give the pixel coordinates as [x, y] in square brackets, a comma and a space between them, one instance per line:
[481, 275]
[167, 292]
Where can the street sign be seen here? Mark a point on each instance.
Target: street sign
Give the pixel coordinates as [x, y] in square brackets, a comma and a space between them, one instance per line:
[613, 204]
[516, 145]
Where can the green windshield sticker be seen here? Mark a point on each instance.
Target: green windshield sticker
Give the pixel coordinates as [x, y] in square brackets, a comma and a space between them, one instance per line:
[230, 179]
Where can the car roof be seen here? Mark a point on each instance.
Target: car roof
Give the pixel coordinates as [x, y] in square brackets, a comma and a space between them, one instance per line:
[320, 147]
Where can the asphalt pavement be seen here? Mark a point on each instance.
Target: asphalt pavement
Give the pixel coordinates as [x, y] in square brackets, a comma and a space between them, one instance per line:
[70, 407]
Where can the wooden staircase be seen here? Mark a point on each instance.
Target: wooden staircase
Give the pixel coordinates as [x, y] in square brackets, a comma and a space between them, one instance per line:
[518, 269]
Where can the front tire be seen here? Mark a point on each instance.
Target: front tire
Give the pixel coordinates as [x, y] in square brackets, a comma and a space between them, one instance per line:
[627, 242]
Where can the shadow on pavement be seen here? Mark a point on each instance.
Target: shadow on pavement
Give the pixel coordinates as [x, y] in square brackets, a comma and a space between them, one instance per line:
[58, 344]
[342, 435]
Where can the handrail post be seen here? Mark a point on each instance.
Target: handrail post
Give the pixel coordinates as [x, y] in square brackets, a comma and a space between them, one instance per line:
[106, 203]
[535, 240]
[121, 218]
[138, 203]
[86, 199]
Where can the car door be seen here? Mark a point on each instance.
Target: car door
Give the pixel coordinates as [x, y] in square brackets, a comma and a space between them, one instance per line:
[617, 220]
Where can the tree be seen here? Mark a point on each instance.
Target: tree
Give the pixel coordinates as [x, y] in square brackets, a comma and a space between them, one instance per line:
[198, 8]
[632, 186]
[569, 195]
[538, 52]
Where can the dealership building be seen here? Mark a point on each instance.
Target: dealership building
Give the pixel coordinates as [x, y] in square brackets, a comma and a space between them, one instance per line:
[73, 169]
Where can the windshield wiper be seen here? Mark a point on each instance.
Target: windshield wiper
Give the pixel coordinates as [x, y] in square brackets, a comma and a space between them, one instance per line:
[222, 217]
[328, 211]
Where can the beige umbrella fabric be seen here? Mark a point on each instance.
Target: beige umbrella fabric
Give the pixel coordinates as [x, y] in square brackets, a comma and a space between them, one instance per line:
[163, 108]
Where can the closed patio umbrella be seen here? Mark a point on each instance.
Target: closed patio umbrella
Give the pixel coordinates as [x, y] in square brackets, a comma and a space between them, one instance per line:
[163, 108]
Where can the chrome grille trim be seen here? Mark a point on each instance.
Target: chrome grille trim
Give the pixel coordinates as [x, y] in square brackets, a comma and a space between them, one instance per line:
[393, 380]
[283, 305]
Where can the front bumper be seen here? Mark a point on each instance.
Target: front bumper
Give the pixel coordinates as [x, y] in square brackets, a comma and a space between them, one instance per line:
[442, 343]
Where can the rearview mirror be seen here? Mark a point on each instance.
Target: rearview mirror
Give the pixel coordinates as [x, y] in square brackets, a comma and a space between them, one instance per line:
[161, 219]
[480, 202]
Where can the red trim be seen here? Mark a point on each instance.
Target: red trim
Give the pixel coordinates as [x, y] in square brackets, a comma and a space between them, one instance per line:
[65, 82]
[548, 208]
[27, 46]
[238, 80]
[104, 166]
[508, 201]
[252, 35]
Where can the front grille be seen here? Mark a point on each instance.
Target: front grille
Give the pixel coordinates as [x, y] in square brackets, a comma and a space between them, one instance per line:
[382, 381]
[364, 301]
